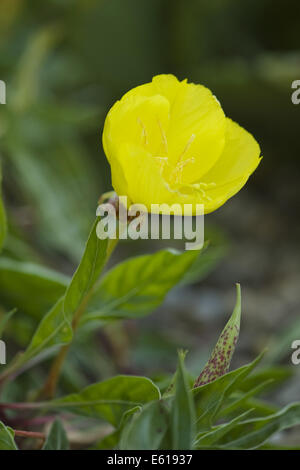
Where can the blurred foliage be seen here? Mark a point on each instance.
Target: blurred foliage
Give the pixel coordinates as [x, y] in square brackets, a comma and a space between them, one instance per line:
[64, 63]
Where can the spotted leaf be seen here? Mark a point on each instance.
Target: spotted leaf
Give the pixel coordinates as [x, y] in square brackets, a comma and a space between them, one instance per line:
[220, 359]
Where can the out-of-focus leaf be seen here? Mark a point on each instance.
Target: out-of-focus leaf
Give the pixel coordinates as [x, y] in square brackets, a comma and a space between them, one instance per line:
[280, 347]
[204, 263]
[57, 438]
[138, 285]
[220, 359]
[7, 441]
[44, 187]
[255, 432]
[65, 173]
[183, 414]
[18, 248]
[275, 375]
[87, 273]
[5, 319]
[262, 408]
[27, 76]
[147, 428]
[31, 288]
[3, 223]
[109, 399]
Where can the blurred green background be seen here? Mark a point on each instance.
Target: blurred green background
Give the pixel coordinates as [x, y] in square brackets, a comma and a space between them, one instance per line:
[65, 62]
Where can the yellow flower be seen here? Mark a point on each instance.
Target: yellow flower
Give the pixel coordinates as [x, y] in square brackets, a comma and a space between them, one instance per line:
[170, 142]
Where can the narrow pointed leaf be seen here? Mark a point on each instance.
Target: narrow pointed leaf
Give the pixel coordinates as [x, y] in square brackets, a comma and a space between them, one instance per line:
[53, 330]
[255, 432]
[183, 414]
[87, 273]
[214, 436]
[220, 359]
[57, 438]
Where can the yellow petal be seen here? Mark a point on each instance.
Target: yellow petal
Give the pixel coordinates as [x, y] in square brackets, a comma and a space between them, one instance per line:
[196, 133]
[166, 85]
[142, 173]
[239, 158]
[139, 120]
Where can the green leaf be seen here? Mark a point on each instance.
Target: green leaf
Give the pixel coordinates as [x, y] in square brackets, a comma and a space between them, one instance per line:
[253, 433]
[243, 397]
[109, 399]
[87, 273]
[183, 410]
[111, 440]
[30, 279]
[137, 286]
[260, 408]
[220, 359]
[3, 222]
[57, 438]
[212, 437]
[147, 429]
[53, 330]
[276, 375]
[7, 441]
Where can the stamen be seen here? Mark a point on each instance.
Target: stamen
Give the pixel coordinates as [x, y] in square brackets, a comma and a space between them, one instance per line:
[177, 171]
[204, 185]
[163, 135]
[186, 148]
[201, 187]
[163, 161]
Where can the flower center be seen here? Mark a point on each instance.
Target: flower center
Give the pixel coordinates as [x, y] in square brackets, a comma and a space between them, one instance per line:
[174, 173]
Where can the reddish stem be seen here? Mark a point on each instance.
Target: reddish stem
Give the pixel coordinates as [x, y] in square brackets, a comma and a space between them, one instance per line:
[35, 435]
[20, 406]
